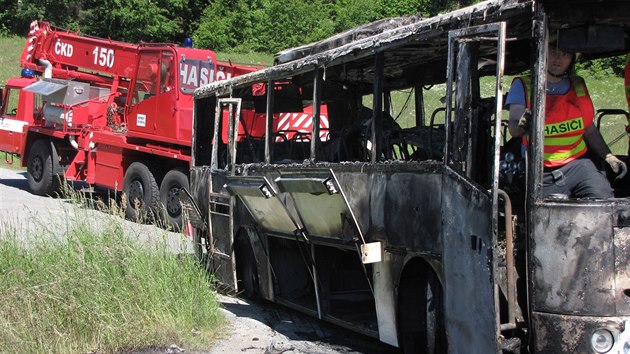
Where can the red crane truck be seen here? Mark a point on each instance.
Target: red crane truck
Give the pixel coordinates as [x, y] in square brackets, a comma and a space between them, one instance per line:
[112, 114]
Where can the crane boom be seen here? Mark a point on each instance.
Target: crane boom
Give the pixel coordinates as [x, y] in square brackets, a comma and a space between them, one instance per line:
[70, 51]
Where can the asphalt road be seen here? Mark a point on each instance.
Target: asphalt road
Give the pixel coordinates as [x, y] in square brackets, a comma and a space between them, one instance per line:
[260, 327]
[30, 214]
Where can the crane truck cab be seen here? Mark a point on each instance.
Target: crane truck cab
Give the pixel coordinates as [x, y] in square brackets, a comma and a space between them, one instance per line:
[112, 114]
[18, 109]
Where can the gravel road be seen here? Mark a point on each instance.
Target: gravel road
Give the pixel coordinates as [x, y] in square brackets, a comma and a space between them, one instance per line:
[253, 327]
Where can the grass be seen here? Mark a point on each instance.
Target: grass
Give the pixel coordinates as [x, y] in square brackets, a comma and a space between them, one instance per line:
[10, 161]
[609, 93]
[10, 51]
[95, 288]
[254, 59]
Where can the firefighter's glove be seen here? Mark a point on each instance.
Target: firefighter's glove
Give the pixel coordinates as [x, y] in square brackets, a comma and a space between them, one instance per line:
[523, 122]
[618, 166]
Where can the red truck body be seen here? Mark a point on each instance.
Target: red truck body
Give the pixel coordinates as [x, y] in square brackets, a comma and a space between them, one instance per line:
[112, 114]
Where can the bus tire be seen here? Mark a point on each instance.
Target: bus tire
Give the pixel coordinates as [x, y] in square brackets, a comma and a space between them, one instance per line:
[39, 169]
[173, 181]
[420, 311]
[141, 191]
[247, 269]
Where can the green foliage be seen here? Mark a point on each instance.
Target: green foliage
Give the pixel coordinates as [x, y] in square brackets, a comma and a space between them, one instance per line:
[229, 25]
[17, 15]
[289, 23]
[356, 12]
[604, 67]
[125, 20]
[273, 25]
[392, 8]
[134, 20]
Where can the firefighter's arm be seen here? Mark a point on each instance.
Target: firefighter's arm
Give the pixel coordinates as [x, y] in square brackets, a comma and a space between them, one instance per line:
[598, 147]
[519, 120]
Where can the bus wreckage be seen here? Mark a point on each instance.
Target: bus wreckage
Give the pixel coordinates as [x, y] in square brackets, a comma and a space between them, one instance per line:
[415, 219]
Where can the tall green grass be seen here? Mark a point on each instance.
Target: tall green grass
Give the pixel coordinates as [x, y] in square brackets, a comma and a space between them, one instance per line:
[253, 58]
[94, 288]
[10, 51]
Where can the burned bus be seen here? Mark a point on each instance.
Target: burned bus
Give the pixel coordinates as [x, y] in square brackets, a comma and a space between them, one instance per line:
[415, 218]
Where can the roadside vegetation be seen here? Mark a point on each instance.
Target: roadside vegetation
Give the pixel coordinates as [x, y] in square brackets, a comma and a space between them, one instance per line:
[223, 25]
[91, 286]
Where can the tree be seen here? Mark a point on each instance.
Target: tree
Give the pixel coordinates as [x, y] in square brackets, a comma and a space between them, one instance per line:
[134, 20]
[17, 15]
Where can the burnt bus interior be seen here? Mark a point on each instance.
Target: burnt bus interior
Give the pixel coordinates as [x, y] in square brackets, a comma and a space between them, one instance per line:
[383, 114]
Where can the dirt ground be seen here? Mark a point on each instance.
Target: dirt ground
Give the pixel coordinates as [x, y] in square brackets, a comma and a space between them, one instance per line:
[269, 328]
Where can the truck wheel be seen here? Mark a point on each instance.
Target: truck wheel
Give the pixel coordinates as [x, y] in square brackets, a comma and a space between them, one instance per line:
[173, 181]
[39, 168]
[246, 269]
[142, 192]
[420, 314]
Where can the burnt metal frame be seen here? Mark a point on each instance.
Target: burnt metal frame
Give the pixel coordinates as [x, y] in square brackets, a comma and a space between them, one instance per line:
[538, 94]
[317, 97]
[498, 29]
[269, 122]
[233, 124]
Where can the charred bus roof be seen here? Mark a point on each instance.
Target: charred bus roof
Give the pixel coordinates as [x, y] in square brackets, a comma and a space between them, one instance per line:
[415, 48]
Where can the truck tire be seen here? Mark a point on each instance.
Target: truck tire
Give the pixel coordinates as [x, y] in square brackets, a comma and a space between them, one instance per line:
[142, 192]
[173, 181]
[39, 169]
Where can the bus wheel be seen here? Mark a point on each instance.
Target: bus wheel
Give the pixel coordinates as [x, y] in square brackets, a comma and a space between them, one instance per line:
[173, 181]
[141, 190]
[246, 268]
[420, 314]
[39, 168]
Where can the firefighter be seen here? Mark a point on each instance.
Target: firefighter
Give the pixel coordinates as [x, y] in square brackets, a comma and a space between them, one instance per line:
[569, 131]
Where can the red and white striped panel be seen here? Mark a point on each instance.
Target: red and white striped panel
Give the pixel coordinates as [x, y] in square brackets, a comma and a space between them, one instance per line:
[32, 35]
[289, 124]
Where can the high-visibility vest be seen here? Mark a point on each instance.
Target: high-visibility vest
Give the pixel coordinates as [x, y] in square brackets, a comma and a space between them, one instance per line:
[566, 118]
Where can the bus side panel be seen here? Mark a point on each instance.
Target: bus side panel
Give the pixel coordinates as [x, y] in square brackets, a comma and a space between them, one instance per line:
[570, 242]
[411, 210]
[572, 263]
[468, 278]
